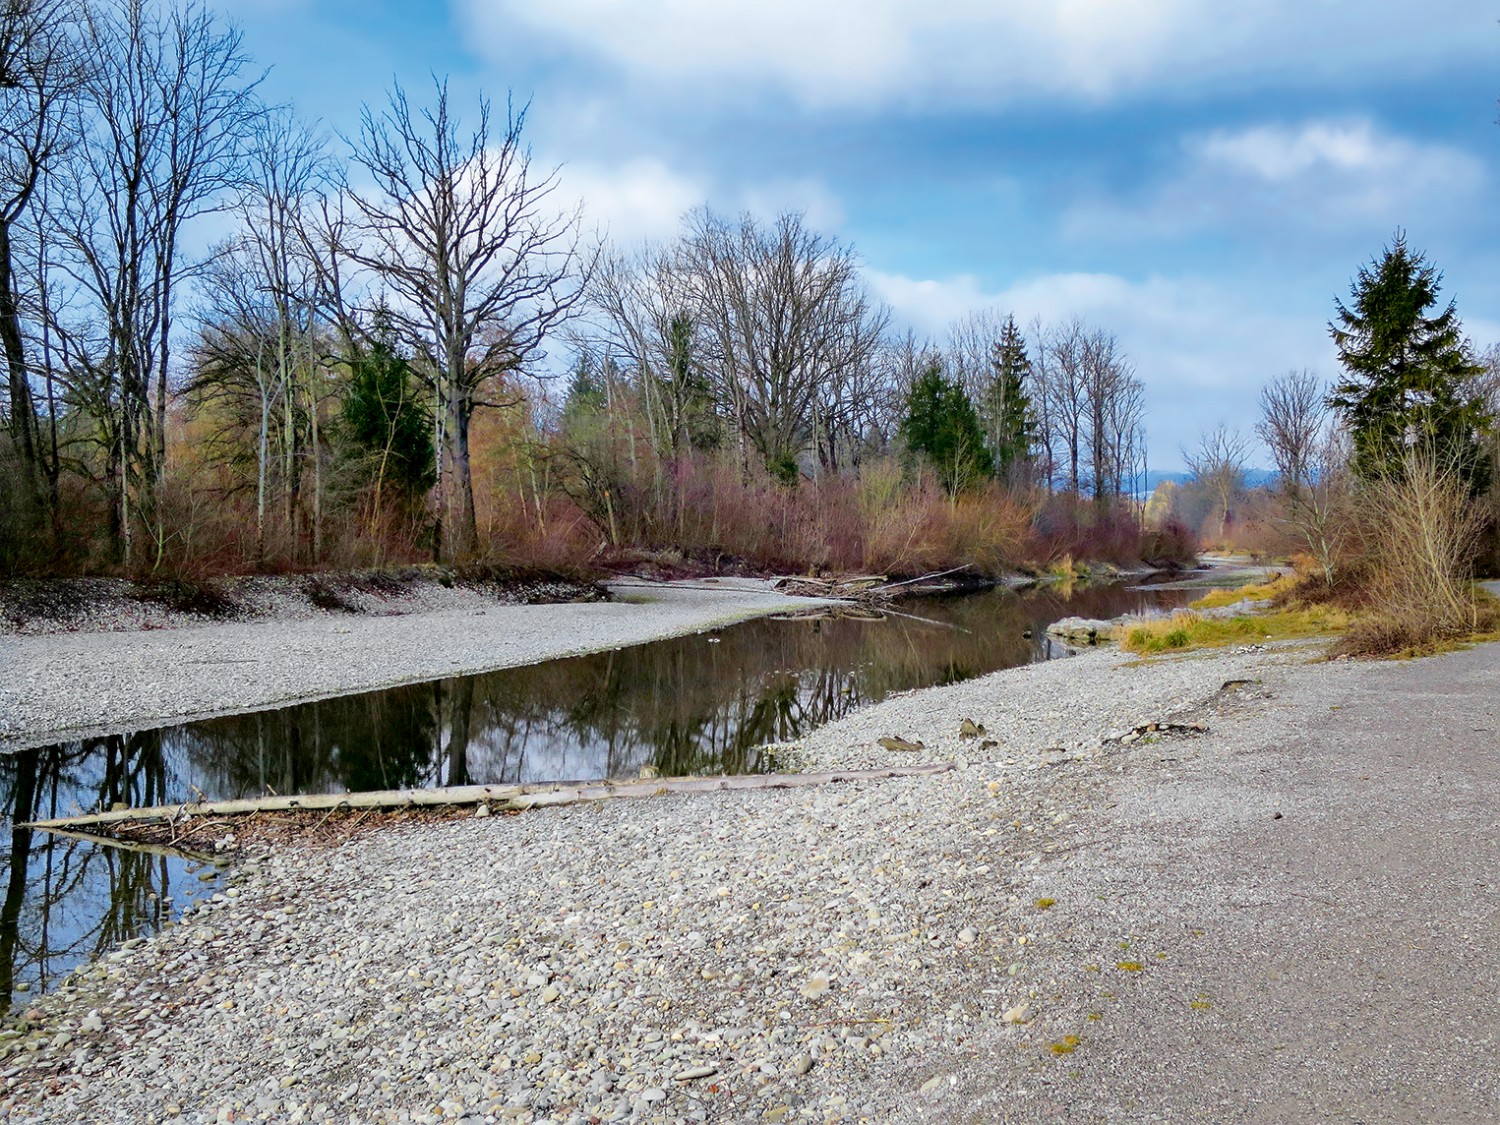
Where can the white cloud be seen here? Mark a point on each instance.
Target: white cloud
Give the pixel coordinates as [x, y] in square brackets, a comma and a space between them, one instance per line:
[853, 52]
[1324, 175]
[641, 200]
[1202, 351]
[644, 199]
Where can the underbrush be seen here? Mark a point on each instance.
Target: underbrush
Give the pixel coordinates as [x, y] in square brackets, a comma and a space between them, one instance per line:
[1397, 634]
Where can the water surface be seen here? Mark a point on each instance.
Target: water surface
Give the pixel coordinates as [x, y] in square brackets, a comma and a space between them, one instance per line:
[705, 703]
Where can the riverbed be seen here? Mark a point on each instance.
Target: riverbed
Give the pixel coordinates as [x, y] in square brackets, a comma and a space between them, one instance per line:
[728, 699]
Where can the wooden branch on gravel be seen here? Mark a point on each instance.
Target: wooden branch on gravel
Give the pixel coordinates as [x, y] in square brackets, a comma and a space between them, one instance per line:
[499, 798]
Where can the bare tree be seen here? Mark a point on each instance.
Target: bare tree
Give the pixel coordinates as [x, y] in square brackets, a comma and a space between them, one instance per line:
[1311, 453]
[1042, 390]
[480, 265]
[786, 319]
[164, 113]
[1293, 415]
[1218, 465]
[260, 325]
[652, 324]
[40, 69]
[1087, 406]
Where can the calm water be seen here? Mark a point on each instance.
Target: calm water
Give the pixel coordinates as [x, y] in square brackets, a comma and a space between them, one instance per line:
[698, 704]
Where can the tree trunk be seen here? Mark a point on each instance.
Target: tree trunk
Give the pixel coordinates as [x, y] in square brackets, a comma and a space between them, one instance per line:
[459, 531]
[23, 419]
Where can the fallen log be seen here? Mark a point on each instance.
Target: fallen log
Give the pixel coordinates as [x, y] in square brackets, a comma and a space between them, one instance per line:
[498, 798]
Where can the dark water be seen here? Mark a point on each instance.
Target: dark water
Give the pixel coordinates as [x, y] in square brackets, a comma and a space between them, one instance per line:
[697, 704]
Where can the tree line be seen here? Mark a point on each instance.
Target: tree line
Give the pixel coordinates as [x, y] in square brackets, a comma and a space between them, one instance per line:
[317, 378]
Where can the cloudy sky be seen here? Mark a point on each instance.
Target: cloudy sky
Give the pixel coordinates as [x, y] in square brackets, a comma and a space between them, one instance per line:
[1201, 178]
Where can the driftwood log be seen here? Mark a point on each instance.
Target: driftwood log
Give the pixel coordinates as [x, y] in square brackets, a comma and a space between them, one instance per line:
[498, 798]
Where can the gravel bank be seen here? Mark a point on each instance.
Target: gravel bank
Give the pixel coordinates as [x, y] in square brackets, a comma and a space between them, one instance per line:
[70, 685]
[803, 955]
[1290, 917]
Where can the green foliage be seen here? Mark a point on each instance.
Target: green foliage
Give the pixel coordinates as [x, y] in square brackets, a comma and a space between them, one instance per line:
[586, 398]
[686, 393]
[1407, 372]
[1005, 407]
[386, 420]
[941, 423]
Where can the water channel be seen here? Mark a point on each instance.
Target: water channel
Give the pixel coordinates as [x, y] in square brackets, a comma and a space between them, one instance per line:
[704, 703]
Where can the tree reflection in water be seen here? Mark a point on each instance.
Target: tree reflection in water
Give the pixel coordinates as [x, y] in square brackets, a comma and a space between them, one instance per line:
[695, 704]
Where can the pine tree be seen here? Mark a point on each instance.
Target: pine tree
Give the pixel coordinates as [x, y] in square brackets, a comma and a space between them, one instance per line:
[1005, 408]
[942, 424]
[1407, 372]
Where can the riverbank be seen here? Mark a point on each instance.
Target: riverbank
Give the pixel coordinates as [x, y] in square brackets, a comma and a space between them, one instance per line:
[1065, 925]
[63, 685]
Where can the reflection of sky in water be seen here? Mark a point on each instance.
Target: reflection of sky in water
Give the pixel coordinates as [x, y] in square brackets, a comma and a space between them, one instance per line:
[695, 704]
[68, 900]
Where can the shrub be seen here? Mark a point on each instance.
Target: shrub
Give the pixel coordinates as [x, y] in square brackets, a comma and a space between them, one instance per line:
[1424, 529]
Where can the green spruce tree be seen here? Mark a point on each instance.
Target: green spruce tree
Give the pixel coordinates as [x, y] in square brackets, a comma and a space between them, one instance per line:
[387, 421]
[1407, 373]
[1005, 408]
[942, 425]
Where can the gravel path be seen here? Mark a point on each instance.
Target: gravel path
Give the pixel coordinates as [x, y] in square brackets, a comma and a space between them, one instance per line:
[1071, 925]
[70, 685]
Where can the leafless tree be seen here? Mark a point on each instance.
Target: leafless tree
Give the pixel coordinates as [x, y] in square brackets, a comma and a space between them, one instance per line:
[650, 321]
[1311, 454]
[1115, 406]
[1293, 415]
[40, 72]
[260, 341]
[1218, 465]
[480, 265]
[1088, 406]
[1042, 390]
[165, 110]
[786, 320]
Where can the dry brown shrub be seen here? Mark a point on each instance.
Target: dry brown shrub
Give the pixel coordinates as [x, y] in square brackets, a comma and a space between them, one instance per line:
[1423, 530]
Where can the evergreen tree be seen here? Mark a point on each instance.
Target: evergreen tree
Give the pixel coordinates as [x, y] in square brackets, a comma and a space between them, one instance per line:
[586, 396]
[1006, 408]
[941, 424]
[686, 392]
[387, 421]
[1406, 372]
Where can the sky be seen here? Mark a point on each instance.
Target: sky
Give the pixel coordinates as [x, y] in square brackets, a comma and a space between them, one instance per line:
[1201, 178]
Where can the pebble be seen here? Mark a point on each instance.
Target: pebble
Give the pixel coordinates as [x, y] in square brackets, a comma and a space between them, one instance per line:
[672, 959]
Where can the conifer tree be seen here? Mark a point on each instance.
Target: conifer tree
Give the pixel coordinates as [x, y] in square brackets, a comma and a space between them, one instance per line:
[1006, 408]
[942, 424]
[1407, 372]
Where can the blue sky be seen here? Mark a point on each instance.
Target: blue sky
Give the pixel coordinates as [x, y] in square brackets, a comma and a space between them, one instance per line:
[1201, 178]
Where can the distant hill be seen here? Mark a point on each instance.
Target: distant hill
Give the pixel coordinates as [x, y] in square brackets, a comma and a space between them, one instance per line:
[1254, 478]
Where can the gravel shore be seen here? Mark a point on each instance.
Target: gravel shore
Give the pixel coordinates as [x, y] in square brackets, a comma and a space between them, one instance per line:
[1083, 920]
[62, 685]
